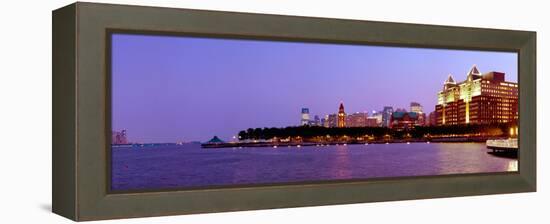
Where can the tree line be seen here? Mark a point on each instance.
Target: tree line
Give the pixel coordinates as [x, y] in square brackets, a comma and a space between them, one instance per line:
[497, 129]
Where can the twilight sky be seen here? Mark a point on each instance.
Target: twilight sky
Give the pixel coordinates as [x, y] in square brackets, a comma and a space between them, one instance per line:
[169, 89]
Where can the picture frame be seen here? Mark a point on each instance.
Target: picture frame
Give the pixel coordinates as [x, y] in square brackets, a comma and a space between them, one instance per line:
[81, 110]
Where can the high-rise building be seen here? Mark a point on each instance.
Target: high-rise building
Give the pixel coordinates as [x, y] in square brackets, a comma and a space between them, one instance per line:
[386, 116]
[331, 121]
[341, 116]
[416, 107]
[316, 121]
[480, 99]
[305, 116]
[378, 117]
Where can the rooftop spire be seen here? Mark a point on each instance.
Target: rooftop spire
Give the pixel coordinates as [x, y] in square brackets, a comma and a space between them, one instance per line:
[341, 109]
[450, 80]
[474, 71]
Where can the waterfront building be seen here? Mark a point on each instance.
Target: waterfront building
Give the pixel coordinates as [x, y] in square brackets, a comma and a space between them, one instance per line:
[305, 116]
[386, 115]
[404, 120]
[341, 116]
[119, 137]
[480, 99]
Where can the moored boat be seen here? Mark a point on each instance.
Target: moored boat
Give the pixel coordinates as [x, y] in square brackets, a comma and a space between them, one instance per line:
[508, 147]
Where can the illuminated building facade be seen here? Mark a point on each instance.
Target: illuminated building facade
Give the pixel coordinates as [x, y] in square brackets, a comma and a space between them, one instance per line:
[305, 116]
[331, 121]
[416, 107]
[378, 117]
[316, 121]
[480, 99]
[372, 122]
[386, 116]
[402, 120]
[358, 119]
[341, 116]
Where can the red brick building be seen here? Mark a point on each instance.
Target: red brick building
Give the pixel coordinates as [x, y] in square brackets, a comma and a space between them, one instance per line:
[480, 99]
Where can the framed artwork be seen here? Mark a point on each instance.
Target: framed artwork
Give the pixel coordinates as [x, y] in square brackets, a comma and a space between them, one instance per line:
[201, 111]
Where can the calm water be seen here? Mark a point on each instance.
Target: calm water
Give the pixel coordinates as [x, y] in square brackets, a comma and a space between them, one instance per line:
[188, 165]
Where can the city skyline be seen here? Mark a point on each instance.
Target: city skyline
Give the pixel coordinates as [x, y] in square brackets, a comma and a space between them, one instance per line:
[254, 83]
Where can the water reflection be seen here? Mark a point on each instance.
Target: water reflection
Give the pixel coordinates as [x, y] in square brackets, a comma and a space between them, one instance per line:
[340, 168]
[190, 166]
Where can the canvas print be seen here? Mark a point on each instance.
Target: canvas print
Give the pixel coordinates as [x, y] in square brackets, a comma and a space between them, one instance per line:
[203, 112]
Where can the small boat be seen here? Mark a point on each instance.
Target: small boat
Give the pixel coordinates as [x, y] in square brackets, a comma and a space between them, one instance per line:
[510, 144]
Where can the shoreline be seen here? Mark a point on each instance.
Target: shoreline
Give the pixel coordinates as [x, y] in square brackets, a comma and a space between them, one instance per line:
[305, 144]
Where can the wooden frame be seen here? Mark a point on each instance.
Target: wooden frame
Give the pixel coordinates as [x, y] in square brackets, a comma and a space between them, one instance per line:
[81, 110]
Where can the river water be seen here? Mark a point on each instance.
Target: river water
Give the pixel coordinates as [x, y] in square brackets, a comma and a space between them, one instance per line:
[188, 165]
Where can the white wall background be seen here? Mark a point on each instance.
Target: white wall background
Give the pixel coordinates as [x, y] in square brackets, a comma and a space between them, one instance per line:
[25, 112]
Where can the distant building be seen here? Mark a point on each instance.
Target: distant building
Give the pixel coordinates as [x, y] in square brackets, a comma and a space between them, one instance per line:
[323, 122]
[119, 137]
[331, 121]
[386, 116]
[378, 116]
[416, 107]
[358, 119]
[372, 122]
[422, 119]
[432, 119]
[480, 99]
[404, 120]
[305, 116]
[400, 110]
[341, 116]
[316, 121]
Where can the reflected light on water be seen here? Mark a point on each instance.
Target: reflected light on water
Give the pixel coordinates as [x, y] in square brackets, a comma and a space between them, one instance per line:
[513, 165]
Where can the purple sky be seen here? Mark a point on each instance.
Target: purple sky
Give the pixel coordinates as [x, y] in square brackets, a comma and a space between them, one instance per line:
[168, 89]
